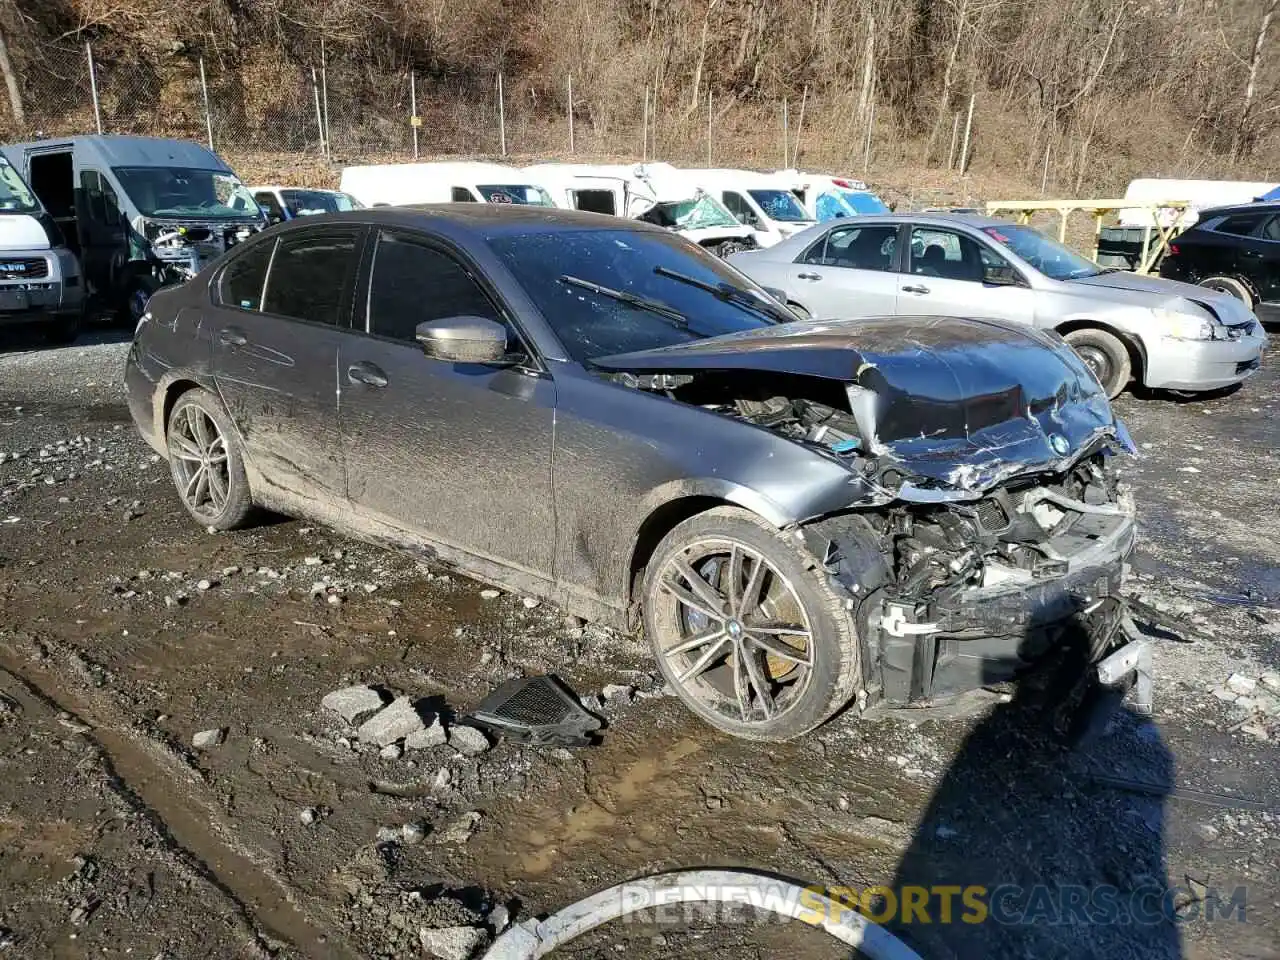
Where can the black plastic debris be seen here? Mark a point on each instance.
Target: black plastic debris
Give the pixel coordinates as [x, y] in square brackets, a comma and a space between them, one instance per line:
[537, 710]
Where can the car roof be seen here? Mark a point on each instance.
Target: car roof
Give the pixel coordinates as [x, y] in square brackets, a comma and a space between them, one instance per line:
[120, 151]
[489, 218]
[456, 168]
[974, 220]
[1269, 206]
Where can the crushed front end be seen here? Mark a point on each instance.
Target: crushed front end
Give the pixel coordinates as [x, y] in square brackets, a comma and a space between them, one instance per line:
[177, 248]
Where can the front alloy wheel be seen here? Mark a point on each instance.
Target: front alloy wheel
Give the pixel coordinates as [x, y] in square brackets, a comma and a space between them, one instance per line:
[205, 461]
[746, 632]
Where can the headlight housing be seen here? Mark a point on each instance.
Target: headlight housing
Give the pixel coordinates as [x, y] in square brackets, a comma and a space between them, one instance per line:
[1188, 326]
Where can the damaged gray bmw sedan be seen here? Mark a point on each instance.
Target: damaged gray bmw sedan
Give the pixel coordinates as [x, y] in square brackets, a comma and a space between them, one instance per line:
[595, 411]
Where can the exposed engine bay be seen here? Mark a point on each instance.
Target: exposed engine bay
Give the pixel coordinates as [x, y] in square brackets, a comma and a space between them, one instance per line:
[180, 248]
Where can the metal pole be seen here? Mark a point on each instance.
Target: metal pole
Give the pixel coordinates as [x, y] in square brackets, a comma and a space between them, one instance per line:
[786, 142]
[571, 114]
[955, 137]
[968, 125]
[208, 117]
[644, 149]
[93, 86]
[709, 116]
[414, 120]
[315, 92]
[1044, 175]
[324, 88]
[871, 125]
[502, 118]
[795, 154]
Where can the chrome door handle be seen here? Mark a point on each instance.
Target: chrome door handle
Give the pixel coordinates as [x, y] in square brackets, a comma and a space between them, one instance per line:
[809, 276]
[911, 288]
[231, 337]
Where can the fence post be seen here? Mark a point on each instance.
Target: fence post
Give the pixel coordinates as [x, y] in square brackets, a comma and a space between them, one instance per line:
[93, 86]
[955, 134]
[968, 125]
[709, 116]
[871, 126]
[786, 139]
[315, 91]
[571, 114]
[208, 117]
[414, 120]
[502, 118]
[644, 128]
[324, 93]
[795, 154]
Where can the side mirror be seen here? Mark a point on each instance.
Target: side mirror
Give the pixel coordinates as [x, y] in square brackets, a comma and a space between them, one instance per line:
[463, 339]
[1002, 276]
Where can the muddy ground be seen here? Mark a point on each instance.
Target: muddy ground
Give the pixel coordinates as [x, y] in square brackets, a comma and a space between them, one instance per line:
[125, 630]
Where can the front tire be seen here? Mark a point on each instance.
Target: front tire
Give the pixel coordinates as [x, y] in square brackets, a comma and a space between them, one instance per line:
[746, 628]
[1106, 356]
[206, 462]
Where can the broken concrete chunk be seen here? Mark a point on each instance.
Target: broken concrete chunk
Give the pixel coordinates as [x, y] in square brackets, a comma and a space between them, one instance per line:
[490, 594]
[413, 833]
[461, 829]
[309, 816]
[1271, 681]
[1240, 684]
[392, 723]
[391, 751]
[468, 741]
[206, 739]
[620, 693]
[432, 736]
[352, 703]
[452, 943]
[388, 835]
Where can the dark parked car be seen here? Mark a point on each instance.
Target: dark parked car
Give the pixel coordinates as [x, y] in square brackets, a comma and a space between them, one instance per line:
[599, 412]
[1235, 250]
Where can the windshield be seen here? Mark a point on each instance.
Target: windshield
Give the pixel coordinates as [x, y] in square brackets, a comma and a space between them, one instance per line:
[1048, 256]
[303, 203]
[515, 193]
[863, 202]
[692, 214]
[592, 324]
[779, 205]
[185, 192]
[15, 196]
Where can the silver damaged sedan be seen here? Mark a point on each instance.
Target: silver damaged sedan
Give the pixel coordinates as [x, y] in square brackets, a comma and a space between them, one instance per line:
[1156, 332]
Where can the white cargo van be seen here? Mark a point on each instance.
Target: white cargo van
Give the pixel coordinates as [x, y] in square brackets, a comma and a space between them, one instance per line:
[764, 202]
[40, 279]
[398, 184]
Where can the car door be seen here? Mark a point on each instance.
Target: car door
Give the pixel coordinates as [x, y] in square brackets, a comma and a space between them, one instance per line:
[848, 272]
[458, 453]
[104, 237]
[284, 305]
[1260, 264]
[950, 273]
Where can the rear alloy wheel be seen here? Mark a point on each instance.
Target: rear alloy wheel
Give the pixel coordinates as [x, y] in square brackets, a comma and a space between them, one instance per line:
[1105, 355]
[746, 631]
[205, 460]
[1231, 286]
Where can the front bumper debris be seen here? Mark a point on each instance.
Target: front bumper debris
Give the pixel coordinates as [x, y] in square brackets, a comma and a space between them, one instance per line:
[1130, 665]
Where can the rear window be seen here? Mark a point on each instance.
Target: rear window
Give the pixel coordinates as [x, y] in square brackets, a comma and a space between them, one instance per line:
[244, 277]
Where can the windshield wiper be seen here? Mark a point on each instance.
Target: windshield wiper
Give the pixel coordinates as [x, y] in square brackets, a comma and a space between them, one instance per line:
[730, 294]
[643, 303]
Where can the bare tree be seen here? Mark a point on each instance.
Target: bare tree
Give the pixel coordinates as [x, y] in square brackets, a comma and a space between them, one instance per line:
[11, 84]
[1243, 138]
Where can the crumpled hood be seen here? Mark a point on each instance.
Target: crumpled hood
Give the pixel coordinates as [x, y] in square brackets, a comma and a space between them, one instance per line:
[956, 404]
[1157, 292]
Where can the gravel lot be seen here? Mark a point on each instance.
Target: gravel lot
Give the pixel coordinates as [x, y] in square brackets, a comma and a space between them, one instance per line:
[126, 631]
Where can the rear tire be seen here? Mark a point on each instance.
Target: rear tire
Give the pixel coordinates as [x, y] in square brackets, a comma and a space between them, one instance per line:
[776, 654]
[206, 462]
[1229, 285]
[64, 330]
[1105, 355]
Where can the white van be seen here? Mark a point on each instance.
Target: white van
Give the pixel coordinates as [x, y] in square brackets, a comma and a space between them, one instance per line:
[397, 184]
[40, 279]
[764, 202]
[1201, 194]
[654, 192]
[826, 197]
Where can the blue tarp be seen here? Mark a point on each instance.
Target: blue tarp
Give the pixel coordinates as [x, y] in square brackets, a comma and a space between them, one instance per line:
[1273, 194]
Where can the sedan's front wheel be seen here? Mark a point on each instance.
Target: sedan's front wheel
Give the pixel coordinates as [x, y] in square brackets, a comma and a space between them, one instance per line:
[206, 463]
[746, 629]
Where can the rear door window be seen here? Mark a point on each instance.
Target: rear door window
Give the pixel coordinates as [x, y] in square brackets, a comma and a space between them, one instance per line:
[945, 254]
[414, 282]
[461, 195]
[858, 248]
[1272, 230]
[1239, 226]
[245, 276]
[312, 275]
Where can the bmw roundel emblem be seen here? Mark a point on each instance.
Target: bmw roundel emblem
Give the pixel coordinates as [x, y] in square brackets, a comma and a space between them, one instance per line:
[1059, 444]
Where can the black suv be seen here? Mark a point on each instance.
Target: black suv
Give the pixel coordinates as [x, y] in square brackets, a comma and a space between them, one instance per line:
[1235, 250]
